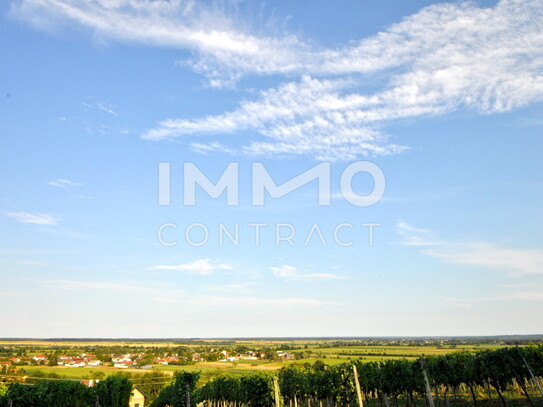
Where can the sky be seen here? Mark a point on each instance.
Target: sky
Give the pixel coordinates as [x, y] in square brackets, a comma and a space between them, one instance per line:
[441, 100]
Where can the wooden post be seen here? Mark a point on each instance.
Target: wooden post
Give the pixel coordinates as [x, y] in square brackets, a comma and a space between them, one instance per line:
[276, 388]
[427, 384]
[357, 384]
[187, 393]
[532, 375]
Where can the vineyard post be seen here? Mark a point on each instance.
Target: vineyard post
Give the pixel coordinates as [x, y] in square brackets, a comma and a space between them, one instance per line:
[357, 384]
[426, 383]
[532, 374]
[276, 389]
[187, 391]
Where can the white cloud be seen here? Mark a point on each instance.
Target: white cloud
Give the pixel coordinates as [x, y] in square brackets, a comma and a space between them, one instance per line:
[205, 29]
[201, 267]
[292, 273]
[36, 219]
[515, 262]
[105, 107]
[447, 57]
[412, 236]
[210, 148]
[63, 183]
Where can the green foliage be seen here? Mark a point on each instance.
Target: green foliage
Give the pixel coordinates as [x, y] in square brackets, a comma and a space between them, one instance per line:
[49, 393]
[255, 390]
[175, 395]
[152, 384]
[331, 384]
[115, 391]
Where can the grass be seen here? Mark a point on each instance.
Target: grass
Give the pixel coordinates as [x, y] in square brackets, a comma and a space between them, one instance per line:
[79, 372]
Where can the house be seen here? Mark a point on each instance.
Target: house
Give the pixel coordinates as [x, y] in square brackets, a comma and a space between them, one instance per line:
[90, 383]
[124, 365]
[5, 363]
[285, 355]
[39, 358]
[137, 398]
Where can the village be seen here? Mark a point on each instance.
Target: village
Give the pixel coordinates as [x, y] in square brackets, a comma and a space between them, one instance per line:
[143, 360]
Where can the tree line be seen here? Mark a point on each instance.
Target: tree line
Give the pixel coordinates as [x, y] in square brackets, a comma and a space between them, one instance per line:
[384, 382]
[431, 380]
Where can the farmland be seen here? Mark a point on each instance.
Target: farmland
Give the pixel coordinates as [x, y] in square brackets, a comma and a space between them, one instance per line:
[244, 355]
[274, 373]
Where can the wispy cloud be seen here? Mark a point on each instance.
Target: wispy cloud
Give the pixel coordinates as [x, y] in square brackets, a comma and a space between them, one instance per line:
[531, 296]
[36, 219]
[448, 57]
[292, 273]
[174, 296]
[118, 289]
[413, 236]
[63, 183]
[309, 117]
[105, 107]
[445, 58]
[211, 148]
[201, 267]
[515, 262]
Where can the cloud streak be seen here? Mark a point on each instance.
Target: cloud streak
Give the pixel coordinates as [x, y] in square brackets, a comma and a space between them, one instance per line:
[446, 58]
[202, 267]
[172, 296]
[64, 183]
[34, 219]
[291, 273]
[515, 262]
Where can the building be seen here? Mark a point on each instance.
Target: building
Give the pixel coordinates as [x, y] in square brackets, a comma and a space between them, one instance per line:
[137, 398]
[39, 358]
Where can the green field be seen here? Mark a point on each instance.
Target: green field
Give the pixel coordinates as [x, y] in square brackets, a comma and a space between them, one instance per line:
[326, 351]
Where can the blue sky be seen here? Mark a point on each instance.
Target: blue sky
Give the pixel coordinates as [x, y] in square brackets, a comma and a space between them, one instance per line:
[446, 98]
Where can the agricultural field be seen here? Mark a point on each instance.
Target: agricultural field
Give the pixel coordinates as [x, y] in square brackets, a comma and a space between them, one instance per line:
[330, 351]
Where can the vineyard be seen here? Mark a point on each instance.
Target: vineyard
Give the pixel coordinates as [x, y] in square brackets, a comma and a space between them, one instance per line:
[499, 377]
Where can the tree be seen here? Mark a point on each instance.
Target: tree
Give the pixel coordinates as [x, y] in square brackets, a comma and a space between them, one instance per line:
[152, 384]
[49, 393]
[175, 395]
[115, 391]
